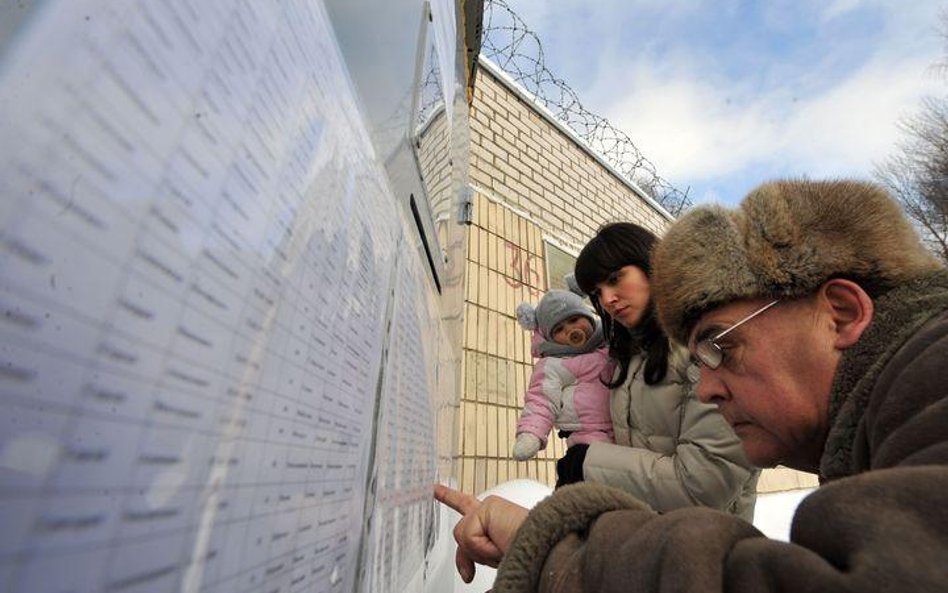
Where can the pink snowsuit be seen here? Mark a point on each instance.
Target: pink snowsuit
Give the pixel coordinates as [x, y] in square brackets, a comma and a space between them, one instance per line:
[567, 393]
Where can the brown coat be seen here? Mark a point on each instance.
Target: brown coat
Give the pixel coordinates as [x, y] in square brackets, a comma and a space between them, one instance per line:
[878, 523]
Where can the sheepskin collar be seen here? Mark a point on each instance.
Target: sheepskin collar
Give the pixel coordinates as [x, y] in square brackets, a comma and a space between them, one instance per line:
[898, 315]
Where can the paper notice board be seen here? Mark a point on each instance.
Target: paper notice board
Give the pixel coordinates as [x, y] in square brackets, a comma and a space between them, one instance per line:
[199, 313]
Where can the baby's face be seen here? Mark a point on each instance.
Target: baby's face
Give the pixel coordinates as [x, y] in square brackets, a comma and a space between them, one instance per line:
[572, 331]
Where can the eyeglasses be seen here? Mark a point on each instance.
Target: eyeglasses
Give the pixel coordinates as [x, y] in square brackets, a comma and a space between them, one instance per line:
[710, 354]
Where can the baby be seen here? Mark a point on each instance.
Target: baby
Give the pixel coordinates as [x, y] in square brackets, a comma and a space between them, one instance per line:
[566, 389]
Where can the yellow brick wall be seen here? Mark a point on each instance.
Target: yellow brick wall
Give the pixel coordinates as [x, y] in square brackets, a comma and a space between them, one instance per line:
[504, 268]
[781, 478]
[434, 159]
[522, 160]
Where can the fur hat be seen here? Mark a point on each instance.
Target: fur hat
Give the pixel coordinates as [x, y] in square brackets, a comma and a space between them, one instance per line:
[784, 240]
[555, 306]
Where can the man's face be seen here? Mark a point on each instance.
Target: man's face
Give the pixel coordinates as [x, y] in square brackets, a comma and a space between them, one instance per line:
[774, 382]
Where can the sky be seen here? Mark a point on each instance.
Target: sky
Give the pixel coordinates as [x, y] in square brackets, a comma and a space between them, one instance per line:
[721, 95]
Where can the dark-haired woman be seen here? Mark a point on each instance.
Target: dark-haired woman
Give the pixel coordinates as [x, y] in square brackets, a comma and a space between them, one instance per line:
[671, 450]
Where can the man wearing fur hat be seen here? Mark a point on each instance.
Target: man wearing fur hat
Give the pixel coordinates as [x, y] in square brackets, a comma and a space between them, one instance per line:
[819, 326]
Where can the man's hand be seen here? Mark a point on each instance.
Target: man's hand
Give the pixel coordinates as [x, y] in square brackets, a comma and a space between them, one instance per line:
[484, 532]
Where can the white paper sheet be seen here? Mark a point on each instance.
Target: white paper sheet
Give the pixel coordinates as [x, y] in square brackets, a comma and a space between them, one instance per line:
[194, 245]
[403, 522]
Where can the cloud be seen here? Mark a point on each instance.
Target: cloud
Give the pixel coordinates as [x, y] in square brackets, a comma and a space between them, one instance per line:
[838, 8]
[854, 123]
[696, 122]
[785, 88]
[689, 126]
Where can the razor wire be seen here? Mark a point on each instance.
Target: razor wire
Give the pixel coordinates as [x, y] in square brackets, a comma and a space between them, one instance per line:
[512, 46]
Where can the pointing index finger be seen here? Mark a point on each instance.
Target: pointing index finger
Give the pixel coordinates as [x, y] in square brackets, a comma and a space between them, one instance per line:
[459, 501]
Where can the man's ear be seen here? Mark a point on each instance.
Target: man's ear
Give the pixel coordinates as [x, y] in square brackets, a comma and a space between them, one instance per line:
[850, 309]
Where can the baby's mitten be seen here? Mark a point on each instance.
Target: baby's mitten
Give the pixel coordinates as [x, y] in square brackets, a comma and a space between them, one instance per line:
[526, 446]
